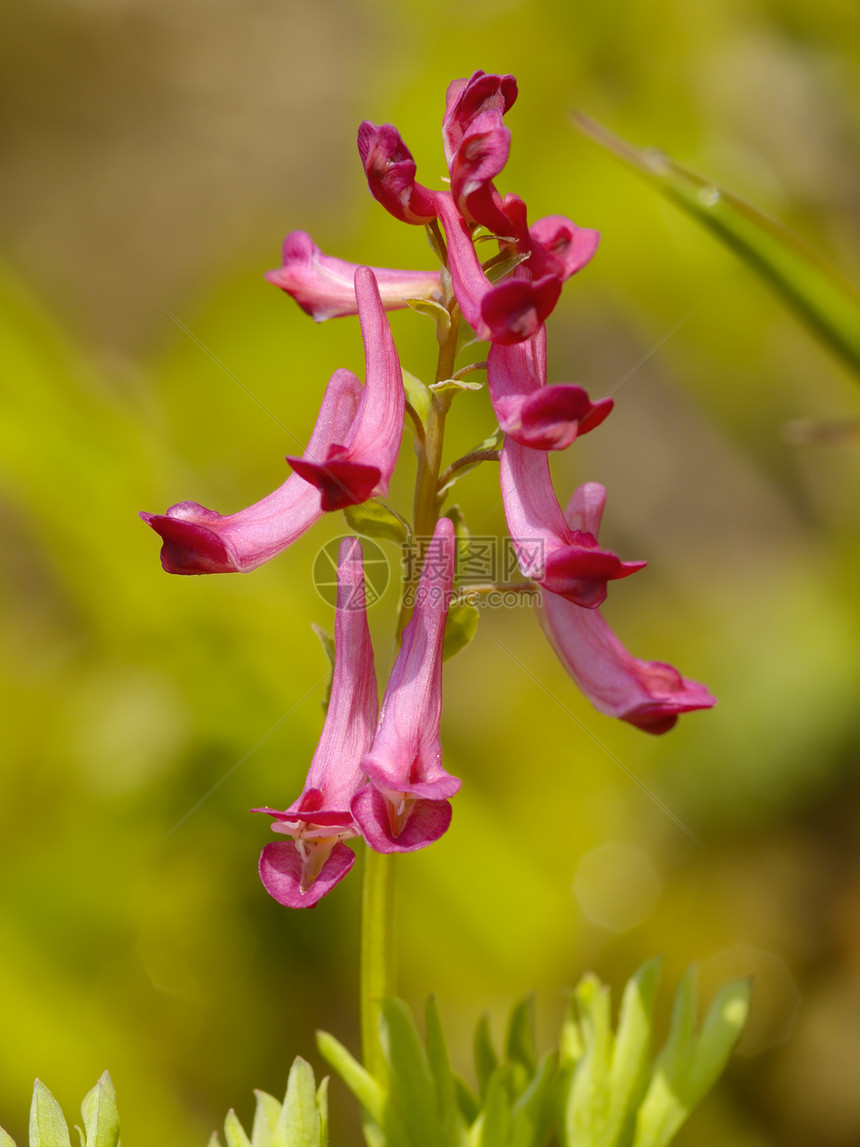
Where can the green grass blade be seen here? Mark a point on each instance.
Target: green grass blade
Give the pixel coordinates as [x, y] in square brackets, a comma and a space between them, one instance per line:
[817, 292]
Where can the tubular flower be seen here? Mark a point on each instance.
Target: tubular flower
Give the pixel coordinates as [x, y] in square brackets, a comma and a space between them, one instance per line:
[649, 694]
[405, 806]
[477, 145]
[323, 286]
[299, 872]
[562, 559]
[534, 414]
[390, 171]
[200, 541]
[361, 466]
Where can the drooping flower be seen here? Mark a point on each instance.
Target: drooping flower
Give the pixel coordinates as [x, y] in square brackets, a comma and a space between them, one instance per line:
[390, 171]
[405, 806]
[323, 286]
[649, 694]
[562, 559]
[360, 466]
[528, 410]
[515, 308]
[300, 871]
[200, 541]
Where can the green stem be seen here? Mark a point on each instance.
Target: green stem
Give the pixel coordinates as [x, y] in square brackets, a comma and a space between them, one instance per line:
[377, 953]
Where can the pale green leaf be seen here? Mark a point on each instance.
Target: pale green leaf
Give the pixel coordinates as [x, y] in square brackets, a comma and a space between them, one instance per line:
[417, 395]
[520, 1037]
[299, 1122]
[461, 626]
[47, 1125]
[412, 1085]
[720, 1033]
[322, 1108]
[214, 1141]
[265, 1118]
[491, 1127]
[6, 1140]
[234, 1132]
[817, 292]
[443, 1077]
[587, 1112]
[436, 312]
[101, 1119]
[532, 1113]
[454, 386]
[630, 1063]
[375, 520]
[486, 1060]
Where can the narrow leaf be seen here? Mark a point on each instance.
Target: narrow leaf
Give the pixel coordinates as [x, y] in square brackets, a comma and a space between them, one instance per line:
[417, 395]
[234, 1133]
[532, 1114]
[265, 1119]
[436, 312]
[454, 385]
[101, 1120]
[587, 1114]
[375, 520]
[491, 1127]
[214, 1141]
[412, 1086]
[467, 1101]
[48, 1127]
[486, 1060]
[630, 1064]
[6, 1139]
[299, 1122]
[720, 1032]
[816, 292]
[443, 1077]
[520, 1038]
[460, 627]
[322, 1108]
[359, 1081]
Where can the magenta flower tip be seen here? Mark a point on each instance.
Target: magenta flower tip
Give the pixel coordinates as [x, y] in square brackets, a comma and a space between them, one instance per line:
[189, 543]
[294, 880]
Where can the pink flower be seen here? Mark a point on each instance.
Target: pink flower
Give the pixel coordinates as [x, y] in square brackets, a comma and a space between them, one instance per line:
[477, 145]
[390, 171]
[543, 417]
[517, 307]
[649, 694]
[299, 872]
[562, 559]
[361, 466]
[324, 286]
[198, 541]
[405, 806]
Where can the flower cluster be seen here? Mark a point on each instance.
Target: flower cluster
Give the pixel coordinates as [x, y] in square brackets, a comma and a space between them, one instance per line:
[378, 774]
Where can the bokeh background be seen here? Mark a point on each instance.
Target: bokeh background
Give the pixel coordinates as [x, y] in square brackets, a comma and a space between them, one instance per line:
[155, 153]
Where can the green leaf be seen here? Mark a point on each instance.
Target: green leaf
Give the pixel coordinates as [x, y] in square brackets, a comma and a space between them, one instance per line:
[486, 1060]
[360, 1082]
[375, 520]
[520, 1038]
[491, 1127]
[265, 1119]
[467, 1101]
[816, 292]
[720, 1033]
[322, 1108]
[6, 1139]
[417, 395]
[454, 386]
[299, 1122]
[101, 1120]
[679, 1081]
[532, 1114]
[412, 1085]
[436, 312]
[443, 1077]
[234, 1133]
[461, 626]
[587, 1114]
[458, 520]
[214, 1141]
[630, 1063]
[48, 1127]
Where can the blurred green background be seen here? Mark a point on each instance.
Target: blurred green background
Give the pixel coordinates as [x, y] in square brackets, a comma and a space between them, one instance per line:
[155, 154]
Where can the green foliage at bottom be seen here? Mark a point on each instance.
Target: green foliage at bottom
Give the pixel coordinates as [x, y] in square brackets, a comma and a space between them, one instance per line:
[601, 1088]
[48, 1127]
